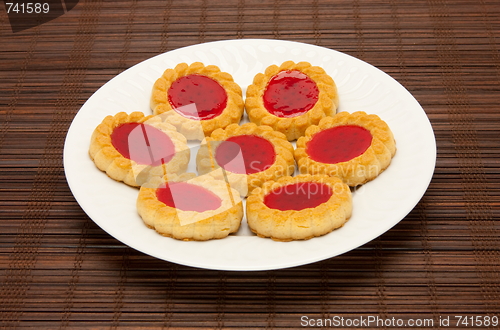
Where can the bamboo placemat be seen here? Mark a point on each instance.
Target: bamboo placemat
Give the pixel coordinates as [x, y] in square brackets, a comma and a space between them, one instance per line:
[60, 270]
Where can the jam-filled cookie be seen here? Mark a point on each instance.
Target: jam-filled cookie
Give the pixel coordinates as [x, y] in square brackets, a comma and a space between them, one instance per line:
[197, 99]
[291, 97]
[246, 156]
[133, 148]
[187, 207]
[300, 207]
[355, 147]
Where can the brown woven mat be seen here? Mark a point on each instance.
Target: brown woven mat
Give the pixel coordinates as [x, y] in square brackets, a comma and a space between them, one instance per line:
[60, 270]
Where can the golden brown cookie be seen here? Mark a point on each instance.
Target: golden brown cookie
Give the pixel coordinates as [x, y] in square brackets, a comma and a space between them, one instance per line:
[291, 97]
[246, 156]
[300, 207]
[355, 147]
[187, 207]
[197, 99]
[133, 148]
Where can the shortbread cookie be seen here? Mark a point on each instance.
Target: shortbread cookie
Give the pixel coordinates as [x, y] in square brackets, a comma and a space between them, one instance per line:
[355, 147]
[291, 97]
[133, 148]
[246, 156]
[300, 207]
[197, 99]
[188, 208]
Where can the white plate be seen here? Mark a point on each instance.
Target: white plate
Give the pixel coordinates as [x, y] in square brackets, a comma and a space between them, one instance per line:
[378, 205]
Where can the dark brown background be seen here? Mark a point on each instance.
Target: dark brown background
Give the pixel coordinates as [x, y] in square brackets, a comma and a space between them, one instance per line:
[59, 270]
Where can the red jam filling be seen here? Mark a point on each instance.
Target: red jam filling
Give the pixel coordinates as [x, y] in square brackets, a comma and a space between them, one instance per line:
[207, 94]
[290, 93]
[245, 154]
[339, 144]
[188, 197]
[298, 196]
[143, 144]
